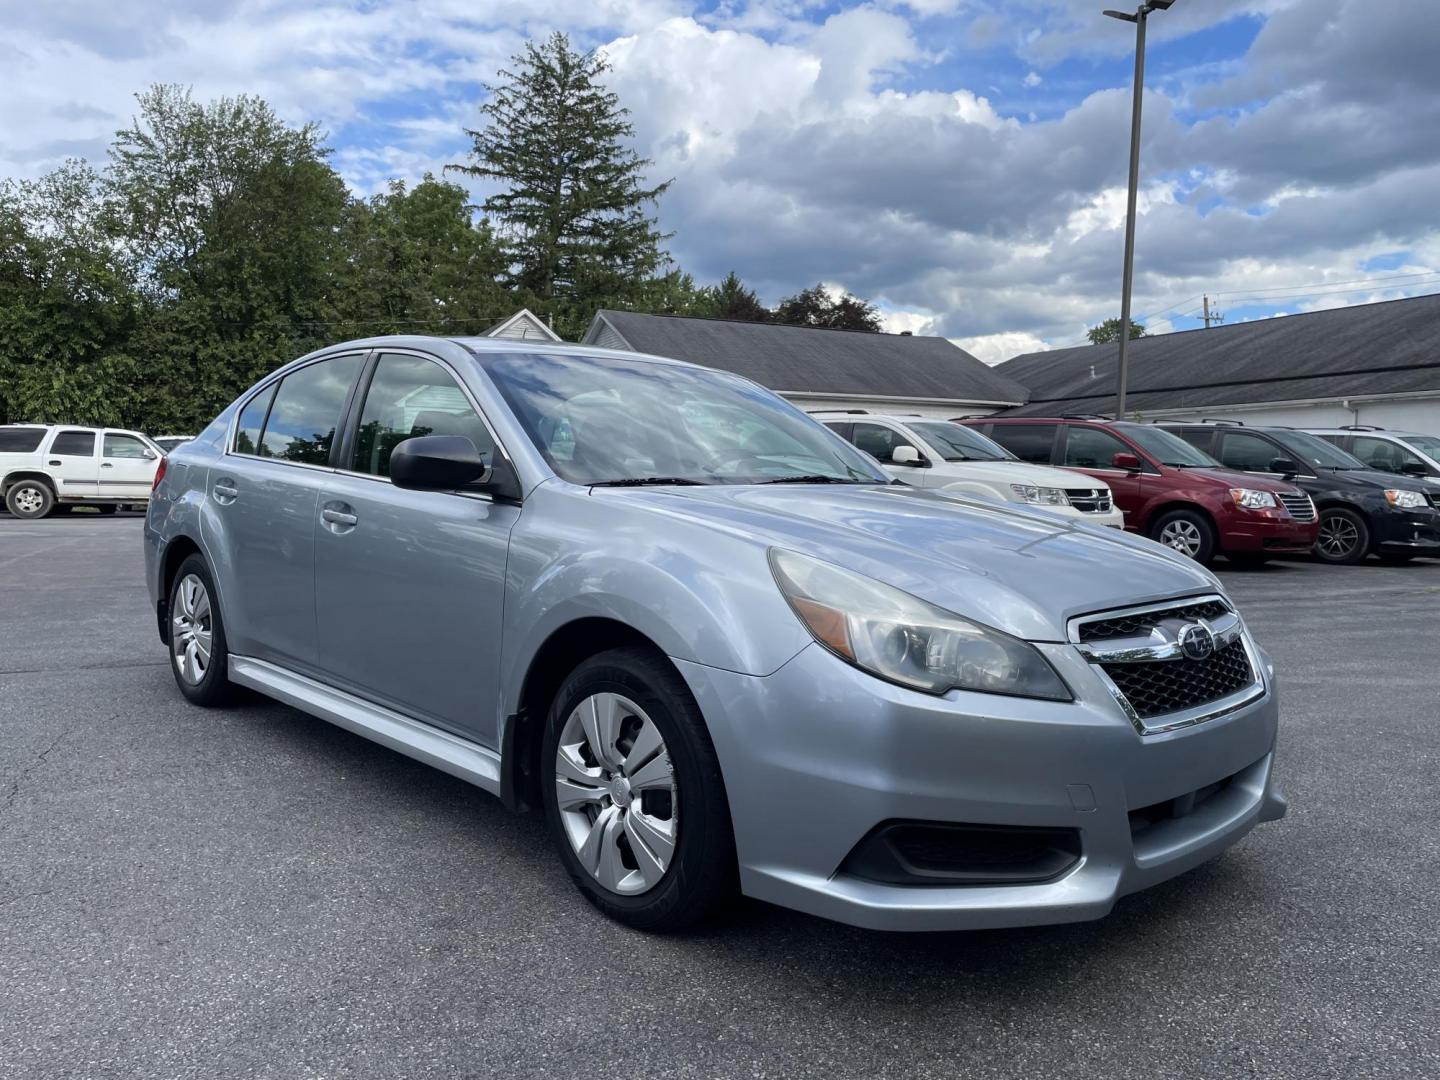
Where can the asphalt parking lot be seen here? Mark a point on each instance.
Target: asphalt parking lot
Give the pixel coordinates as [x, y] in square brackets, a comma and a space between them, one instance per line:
[257, 893]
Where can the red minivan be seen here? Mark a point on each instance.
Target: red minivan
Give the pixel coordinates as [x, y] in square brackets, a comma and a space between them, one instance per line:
[1167, 489]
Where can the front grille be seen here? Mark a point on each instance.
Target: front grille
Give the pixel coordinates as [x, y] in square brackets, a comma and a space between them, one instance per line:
[1156, 688]
[1299, 505]
[1434, 499]
[942, 853]
[1142, 623]
[1089, 500]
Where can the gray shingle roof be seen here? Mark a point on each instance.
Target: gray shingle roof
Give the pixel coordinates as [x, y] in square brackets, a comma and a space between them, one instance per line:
[797, 359]
[1387, 348]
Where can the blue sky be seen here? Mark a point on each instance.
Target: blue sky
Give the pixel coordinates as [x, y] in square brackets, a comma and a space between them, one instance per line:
[962, 162]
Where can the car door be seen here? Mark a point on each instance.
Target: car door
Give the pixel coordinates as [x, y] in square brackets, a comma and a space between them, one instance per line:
[1387, 455]
[73, 463]
[264, 498]
[410, 585]
[1092, 451]
[127, 466]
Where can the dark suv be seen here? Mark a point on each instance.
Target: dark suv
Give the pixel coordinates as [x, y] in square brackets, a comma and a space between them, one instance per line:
[1362, 511]
[1167, 489]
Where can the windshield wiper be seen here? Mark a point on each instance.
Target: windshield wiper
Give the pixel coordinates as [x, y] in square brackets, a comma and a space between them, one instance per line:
[649, 481]
[812, 478]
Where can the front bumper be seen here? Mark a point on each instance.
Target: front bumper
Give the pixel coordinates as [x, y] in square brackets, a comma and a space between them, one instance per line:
[1412, 532]
[1112, 518]
[1280, 535]
[819, 754]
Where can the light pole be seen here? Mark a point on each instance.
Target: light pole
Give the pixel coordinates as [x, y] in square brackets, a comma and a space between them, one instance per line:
[1141, 14]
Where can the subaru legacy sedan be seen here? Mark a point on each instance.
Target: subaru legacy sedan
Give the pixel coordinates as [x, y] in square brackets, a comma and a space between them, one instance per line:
[711, 641]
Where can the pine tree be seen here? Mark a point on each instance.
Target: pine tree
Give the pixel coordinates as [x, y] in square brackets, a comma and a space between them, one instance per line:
[731, 299]
[573, 211]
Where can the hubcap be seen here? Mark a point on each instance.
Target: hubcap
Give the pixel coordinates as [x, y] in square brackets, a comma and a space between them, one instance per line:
[191, 630]
[1183, 536]
[1338, 536]
[29, 500]
[616, 792]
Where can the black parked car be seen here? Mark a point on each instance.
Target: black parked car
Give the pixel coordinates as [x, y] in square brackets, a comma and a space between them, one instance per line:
[1362, 512]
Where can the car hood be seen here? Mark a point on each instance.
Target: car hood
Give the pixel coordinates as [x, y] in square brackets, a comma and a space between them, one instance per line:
[1022, 571]
[1016, 472]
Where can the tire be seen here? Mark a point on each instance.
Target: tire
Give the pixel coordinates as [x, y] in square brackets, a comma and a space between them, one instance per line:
[108, 508]
[1344, 538]
[30, 499]
[640, 700]
[1188, 532]
[208, 685]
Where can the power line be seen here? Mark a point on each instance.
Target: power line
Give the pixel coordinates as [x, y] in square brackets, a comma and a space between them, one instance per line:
[1325, 284]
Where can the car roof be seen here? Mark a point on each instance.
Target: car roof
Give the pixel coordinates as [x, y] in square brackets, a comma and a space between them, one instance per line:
[483, 346]
[1375, 432]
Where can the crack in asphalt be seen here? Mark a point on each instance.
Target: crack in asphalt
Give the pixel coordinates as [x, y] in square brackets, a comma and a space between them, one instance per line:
[40, 758]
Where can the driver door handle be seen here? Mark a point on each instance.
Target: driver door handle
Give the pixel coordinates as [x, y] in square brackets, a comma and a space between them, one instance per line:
[333, 516]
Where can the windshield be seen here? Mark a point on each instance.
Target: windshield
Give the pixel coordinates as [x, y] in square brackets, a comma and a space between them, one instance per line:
[601, 420]
[1426, 444]
[956, 443]
[1169, 449]
[1315, 451]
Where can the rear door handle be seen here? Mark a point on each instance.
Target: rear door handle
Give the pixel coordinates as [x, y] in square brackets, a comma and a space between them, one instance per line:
[106, 465]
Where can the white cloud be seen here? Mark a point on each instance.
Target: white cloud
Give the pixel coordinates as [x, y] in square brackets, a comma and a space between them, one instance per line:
[1033, 79]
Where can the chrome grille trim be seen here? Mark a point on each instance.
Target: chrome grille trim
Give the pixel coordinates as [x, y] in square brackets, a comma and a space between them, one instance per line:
[1299, 504]
[1089, 500]
[1157, 647]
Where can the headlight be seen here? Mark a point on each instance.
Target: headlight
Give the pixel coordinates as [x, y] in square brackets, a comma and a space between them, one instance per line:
[1040, 496]
[1251, 499]
[902, 638]
[1406, 500]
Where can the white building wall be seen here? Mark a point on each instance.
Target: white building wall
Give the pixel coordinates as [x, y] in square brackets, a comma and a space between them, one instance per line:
[1400, 413]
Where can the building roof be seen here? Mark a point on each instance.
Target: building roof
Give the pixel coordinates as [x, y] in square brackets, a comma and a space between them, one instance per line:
[524, 325]
[1365, 350]
[799, 360]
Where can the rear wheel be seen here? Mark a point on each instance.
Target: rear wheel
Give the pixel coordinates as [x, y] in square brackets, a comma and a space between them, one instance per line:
[108, 508]
[30, 499]
[198, 655]
[1344, 537]
[1188, 532]
[636, 804]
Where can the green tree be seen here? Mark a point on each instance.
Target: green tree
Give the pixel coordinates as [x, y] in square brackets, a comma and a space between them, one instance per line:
[235, 217]
[574, 207]
[731, 299]
[1109, 331]
[417, 263]
[816, 307]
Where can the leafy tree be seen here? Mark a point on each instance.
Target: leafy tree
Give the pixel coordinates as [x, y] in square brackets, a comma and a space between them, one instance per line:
[574, 207]
[1109, 331]
[731, 299]
[816, 307]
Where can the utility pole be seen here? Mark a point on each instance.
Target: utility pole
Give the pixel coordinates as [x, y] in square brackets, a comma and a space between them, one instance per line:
[1139, 19]
[1209, 316]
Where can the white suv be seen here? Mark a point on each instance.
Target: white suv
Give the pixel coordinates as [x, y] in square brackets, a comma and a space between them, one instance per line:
[43, 467]
[942, 456]
[1406, 452]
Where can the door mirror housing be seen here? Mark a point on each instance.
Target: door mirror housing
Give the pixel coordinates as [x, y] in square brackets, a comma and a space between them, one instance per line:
[1128, 462]
[149, 454]
[1414, 468]
[906, 455]
[448, 463]
[1285, 466]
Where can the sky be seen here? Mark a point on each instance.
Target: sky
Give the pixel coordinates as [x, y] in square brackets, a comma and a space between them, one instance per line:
[962, 163]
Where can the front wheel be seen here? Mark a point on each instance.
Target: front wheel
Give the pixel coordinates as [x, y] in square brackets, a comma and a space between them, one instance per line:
[1344, 537]
[1188, 532]
[634, 799]
[198, 654]
[30, 499]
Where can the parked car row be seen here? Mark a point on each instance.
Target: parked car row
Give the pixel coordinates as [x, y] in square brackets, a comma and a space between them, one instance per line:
[714, 643]
[1208, 489]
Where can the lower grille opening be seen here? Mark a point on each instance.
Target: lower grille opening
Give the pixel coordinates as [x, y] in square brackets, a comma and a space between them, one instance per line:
[1147, 817]
[938, 853]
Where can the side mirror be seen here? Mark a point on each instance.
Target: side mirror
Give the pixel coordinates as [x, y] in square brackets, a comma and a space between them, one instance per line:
[1414, 468]
[1284, 465]
[449, 462]
[905, 455]
[1128, 462]
[150, 455]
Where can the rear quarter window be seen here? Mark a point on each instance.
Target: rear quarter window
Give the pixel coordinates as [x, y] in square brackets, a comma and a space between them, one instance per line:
[1028, 442]
[18, 440]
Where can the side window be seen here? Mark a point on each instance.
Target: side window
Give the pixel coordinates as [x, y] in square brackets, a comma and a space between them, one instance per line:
[123, 446]
[307, 411]
[252, 419]
[1248, 453]
[1028, 442]
[1090, 448]
[1382, 454]
[845, 430]
[20, 440]
[74, 444]
[879, 442]
[409, 397]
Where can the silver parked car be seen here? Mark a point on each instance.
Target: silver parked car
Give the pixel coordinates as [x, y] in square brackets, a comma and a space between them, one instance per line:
[710, 639]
